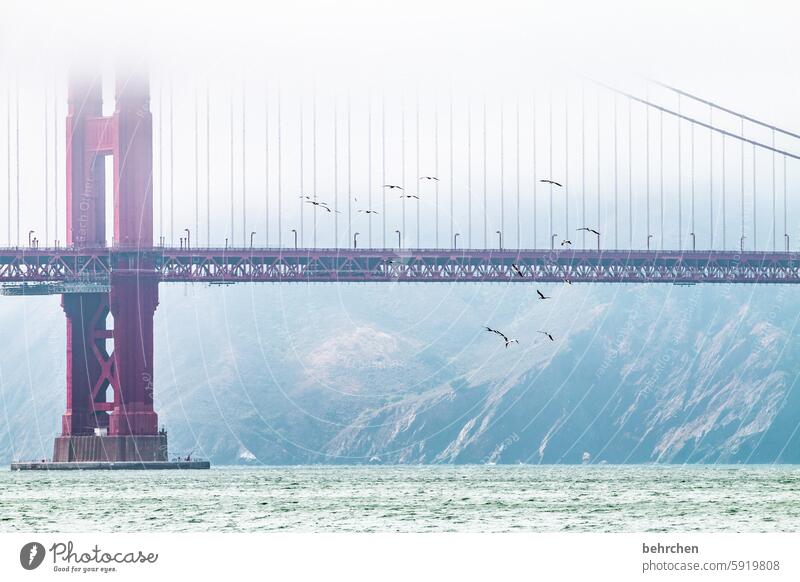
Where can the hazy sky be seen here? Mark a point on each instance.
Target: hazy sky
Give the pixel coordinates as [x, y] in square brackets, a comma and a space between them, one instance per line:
[739, 53]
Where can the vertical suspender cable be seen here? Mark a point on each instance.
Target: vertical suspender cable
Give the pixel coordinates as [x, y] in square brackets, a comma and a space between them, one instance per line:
[349, 174]
[583, 165]
[417, 156]
[785, 209]
[46, 168]
[502, 169]
[436, 162]
[208, 163]
[630, 175]
[314, 159]
[616, 177]
[233, 171]
[403, 161]
[661, 172]
[535, 180]
[711, 175]
[383, 169]
[302, 173]
[280, 173]
[724, 210]
[266, 163]
[452, 225]
[8, 158]
[172, 167]
[336, 171]
[244, 166]
[598, 168]
[566, 164]
[469, 171]
[774, 217]
[55, 156]
[369, 168]
[196, 167]
[680, 179]
[755, 224]
[160, 162]
[485, 205]
[647, 163]
[17, 154]
[691, 171]
[550, 161]
[519, 242]
[741, 143]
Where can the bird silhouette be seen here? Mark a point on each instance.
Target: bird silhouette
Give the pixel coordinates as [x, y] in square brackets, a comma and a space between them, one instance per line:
[392, 186]
[567, 281]
[566, 242]
[323, 205]
[409, 196]
[429, 178]
[589, 230]
[517, 270]
[553, 182]
[541, 295]
[502, 335]
[369, 211]
[552, 339]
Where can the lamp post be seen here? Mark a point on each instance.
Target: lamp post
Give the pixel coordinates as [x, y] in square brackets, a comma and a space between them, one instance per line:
[649, 236]
[252, 234]
[786, 236]
[294, 231]
[399, 241]
[553, 241]
[355, 240]
[188, 236]
[455, 240]
[741, 243]
[694, 241]
[30, 233]
[499, 239]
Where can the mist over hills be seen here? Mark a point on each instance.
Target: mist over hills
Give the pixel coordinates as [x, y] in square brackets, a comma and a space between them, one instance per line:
[404, 373]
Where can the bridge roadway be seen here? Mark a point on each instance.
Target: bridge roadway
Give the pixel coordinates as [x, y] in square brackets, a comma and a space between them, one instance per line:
[62, 270]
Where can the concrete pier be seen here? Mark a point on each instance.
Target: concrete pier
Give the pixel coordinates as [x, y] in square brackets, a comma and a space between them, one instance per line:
[107, 466]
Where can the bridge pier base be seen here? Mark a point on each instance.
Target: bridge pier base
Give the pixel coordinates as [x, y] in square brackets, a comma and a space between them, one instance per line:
[110, 449]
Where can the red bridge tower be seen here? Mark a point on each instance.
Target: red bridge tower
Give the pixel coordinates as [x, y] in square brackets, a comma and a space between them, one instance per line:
[110, 416]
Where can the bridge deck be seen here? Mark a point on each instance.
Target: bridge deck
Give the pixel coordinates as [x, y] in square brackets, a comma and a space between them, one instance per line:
[60, 270]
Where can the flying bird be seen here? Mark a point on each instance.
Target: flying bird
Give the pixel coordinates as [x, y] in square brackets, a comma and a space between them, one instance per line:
[552, 339]
[567, 281]
[369, 211]
[392, 186]
[429, 178]
[566, 242]
[321, 205]
[409, 196]
[541, 295]
[502, 335]
[517, 270]
[589, 230]
[553, 182]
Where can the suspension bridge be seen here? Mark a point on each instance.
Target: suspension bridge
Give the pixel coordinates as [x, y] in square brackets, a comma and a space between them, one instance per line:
[110, 292]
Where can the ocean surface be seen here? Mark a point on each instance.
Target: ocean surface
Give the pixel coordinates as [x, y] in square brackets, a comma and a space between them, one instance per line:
[475, 498]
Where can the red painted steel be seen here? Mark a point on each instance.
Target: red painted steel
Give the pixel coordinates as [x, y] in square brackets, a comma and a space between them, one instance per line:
[127, 136]
[238, 265]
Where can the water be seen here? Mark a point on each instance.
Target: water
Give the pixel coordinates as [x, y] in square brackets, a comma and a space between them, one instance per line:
[407, 499]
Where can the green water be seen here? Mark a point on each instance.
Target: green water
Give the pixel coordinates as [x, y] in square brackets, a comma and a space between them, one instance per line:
[407, 499]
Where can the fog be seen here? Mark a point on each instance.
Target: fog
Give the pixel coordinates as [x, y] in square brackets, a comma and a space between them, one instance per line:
[400, 69]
